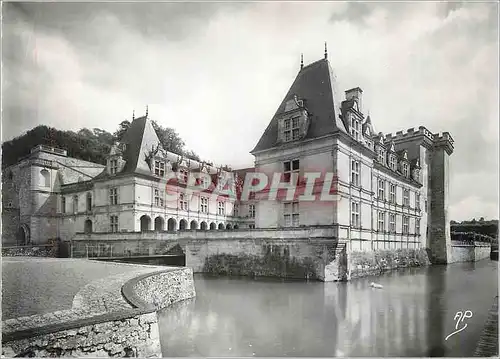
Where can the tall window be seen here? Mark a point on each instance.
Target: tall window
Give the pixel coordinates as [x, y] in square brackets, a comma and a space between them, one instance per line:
[291, 214]
[89, 201]
[392, 193]
[355, 214]
[291, 169]
[183, 204]
[381, 189]
[406, 197]
[75, 204]
[63, 204]
[160, 168]
[204, 204]
[355, 127]
[113, 166]
[406, 224]
[113, 196]
[251, 210]
[417, 226]
[417, 200]
[405, 169]
[291, 129]
[392, 162]
[392, 223]
[355, 173]
[381, 221]
[221, 208]
[157, 197]
[113, 222]
[380, 155]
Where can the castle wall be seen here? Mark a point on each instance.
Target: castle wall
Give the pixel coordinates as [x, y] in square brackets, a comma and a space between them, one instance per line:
[313, 156]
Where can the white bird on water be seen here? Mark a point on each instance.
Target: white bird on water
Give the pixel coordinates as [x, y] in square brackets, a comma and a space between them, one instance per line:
[375, 285]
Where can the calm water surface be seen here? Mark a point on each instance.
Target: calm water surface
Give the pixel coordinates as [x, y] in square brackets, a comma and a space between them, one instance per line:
[410, 316]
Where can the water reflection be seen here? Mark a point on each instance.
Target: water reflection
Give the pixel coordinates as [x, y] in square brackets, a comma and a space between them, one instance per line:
[410, 316]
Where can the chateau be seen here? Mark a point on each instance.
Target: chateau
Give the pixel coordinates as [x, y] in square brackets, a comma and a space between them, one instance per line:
[392, 189]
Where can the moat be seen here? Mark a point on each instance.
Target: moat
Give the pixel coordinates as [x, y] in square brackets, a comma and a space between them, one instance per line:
[411, 316]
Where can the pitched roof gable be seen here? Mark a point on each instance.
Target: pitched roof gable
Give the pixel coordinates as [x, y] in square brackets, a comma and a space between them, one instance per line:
[140, 138]
[315, 84]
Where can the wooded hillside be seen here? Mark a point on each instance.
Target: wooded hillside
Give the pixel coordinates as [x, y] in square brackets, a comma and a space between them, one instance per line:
[86, 144]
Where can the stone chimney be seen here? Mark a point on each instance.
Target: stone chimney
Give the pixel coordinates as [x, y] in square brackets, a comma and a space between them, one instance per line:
[356, 94]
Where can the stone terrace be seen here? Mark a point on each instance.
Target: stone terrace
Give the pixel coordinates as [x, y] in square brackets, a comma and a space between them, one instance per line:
[111, 314]
[79, 287]
[42, 285]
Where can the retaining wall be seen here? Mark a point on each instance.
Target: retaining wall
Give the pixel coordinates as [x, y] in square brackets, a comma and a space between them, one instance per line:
[469, 252]
[31, 251]
[130, 331]
[361, 264]
[301, 259]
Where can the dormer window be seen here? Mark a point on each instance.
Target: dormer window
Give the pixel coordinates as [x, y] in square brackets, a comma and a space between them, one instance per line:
[416, 175]
[392, 162]
[355, 125]
[220, 183]
[113, 166]
[291, 129]
[160, 168]
[381, 155]
[405, 169]
[183, 175]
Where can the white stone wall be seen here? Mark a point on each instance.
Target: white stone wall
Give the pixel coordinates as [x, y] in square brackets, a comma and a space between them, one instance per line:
[313, 156]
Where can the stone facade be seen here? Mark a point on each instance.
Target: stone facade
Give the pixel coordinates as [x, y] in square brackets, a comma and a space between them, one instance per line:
[392, 190]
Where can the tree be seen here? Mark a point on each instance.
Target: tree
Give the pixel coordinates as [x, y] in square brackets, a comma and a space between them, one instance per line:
[123, 127]
[169, 138]
[192, 155]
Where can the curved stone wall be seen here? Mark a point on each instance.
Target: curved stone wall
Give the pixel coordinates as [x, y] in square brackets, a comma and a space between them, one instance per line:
[115, 316]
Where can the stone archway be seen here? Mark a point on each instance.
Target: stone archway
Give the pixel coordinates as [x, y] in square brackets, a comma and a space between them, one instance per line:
[23, 235]
[221, 226]
[171, 224]
[145, 223]
[228, 226]
[213, 226]
[182, 224]
[159, 224]
[87, 227]
[193, 225]
[203, 226]
[235, 226]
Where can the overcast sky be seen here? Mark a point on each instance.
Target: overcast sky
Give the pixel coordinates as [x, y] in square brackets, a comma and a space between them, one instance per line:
[216, 72]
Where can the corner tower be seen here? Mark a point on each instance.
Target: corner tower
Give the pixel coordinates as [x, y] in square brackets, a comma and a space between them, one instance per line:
[433, 152]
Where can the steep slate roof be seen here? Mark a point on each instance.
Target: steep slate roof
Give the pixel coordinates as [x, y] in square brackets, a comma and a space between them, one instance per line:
[140, 138]
[315, 84]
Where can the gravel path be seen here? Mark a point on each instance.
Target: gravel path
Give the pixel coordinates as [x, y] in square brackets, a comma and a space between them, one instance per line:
[43, 285]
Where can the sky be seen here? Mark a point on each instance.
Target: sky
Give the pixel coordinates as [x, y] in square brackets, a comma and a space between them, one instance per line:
[217, 72]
